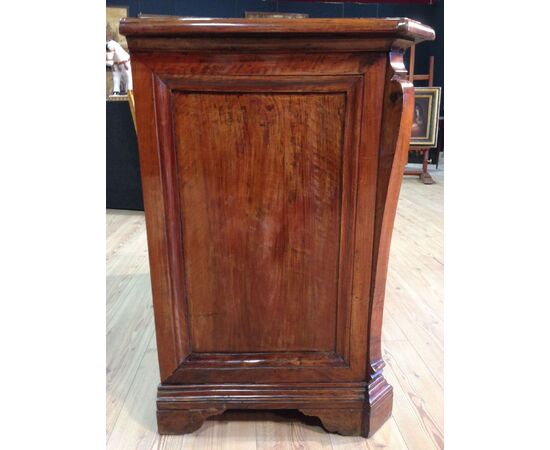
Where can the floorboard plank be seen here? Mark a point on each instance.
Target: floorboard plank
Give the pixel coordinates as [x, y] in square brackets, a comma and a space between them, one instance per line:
[130, 325]
[136, 426]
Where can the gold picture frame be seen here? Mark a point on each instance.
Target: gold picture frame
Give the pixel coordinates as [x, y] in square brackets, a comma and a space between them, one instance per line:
[426, 116]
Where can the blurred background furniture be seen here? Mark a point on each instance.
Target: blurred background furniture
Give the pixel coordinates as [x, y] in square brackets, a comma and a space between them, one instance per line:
[422, 173]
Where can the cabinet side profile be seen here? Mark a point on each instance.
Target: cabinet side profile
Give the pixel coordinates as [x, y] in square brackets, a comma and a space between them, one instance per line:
[272, 154]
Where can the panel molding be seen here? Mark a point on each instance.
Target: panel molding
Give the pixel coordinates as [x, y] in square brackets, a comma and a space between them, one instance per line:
[257, 396]
[244, 360]
[166, 85]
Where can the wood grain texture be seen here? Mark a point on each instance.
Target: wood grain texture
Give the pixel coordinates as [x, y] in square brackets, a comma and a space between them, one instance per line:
[262, 247]
[308, 87]
[270, 193]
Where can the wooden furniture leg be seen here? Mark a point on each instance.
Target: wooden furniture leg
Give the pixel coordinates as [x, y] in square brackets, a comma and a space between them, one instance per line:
[423, 174]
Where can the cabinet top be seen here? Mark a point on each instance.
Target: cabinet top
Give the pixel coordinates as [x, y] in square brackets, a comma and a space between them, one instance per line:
[396, 28]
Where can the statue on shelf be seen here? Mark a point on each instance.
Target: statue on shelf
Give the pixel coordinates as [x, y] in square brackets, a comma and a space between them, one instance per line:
[118, 60]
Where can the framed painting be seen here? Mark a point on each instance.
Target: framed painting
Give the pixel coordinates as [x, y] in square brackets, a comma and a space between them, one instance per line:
[426, 116]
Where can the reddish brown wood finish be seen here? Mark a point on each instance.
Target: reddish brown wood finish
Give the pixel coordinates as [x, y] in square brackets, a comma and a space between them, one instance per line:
[272, 154]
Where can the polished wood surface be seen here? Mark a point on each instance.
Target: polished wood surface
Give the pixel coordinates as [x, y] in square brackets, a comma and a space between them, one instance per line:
[161, 26]
[270, 184]
[272, 35]
[266, 218]
[412, 346]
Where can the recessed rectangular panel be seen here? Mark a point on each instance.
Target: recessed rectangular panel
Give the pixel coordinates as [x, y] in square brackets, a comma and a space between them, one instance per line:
[260, 186]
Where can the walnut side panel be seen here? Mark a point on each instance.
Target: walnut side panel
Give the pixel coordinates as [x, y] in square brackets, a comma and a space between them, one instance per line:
[259, 181]
[299, 241]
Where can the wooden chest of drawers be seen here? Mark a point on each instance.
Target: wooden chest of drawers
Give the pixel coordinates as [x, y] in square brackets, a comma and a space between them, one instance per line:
[272, 153]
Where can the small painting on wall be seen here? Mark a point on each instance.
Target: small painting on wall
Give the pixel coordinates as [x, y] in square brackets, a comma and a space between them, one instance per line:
[426, 116]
